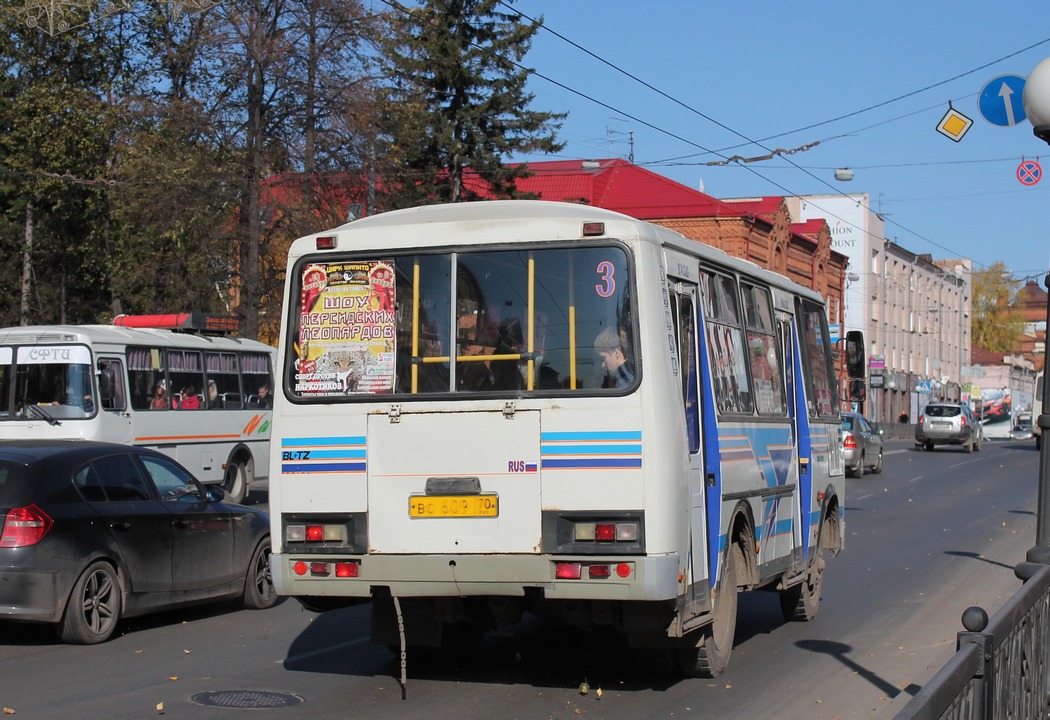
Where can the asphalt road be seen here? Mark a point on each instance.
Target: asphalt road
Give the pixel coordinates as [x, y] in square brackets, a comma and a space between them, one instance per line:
[930, 536]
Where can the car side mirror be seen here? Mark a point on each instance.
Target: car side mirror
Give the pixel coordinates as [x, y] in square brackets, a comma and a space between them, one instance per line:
[214, 493]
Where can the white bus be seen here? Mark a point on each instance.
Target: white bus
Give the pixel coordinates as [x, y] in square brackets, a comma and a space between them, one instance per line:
[179, 383]
[498, 407]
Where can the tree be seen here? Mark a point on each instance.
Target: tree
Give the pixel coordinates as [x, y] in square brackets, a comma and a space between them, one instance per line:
[54, 140]
[996, 326]
[458, 101]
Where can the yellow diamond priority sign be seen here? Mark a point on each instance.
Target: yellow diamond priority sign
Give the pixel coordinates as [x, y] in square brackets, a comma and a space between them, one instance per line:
[954, 124]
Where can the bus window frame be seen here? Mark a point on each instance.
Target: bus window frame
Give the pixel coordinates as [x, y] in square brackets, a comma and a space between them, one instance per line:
[804, 308]
[453, 251]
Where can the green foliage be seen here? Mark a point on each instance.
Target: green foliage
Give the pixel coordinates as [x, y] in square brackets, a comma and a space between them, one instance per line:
[996, 326]
[162, 161]
[56, 133]
[458, 101]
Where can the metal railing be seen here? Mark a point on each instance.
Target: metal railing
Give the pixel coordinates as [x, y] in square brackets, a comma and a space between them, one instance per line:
[1001, 666]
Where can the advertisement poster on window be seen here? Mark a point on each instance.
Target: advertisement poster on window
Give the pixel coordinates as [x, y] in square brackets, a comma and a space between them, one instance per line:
[347, 320]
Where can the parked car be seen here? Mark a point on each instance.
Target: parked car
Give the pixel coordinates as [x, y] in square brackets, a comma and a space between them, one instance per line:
[94, 532]
[861, 444]
[945, 423]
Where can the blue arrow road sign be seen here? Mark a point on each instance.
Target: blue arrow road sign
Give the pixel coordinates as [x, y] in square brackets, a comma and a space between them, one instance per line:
[1000, 101]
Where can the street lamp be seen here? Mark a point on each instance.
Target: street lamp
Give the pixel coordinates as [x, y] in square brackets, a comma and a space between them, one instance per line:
[1036, 99]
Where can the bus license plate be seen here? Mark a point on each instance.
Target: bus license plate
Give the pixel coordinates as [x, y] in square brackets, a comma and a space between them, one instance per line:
[453, 506]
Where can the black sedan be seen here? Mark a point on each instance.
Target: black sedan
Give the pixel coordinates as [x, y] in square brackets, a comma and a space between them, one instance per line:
[93, 532]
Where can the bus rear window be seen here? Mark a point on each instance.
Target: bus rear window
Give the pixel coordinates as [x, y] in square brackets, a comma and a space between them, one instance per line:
[503, 322]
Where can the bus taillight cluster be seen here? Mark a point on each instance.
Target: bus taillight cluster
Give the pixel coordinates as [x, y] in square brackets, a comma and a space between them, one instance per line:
[606, 532]
[315, 533]
[594, 571]
[324, 568]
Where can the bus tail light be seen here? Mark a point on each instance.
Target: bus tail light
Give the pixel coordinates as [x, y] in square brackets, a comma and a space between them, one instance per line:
[598, 571]
[346, 569]
[315, 533]
[606, 532]
[594, 571]
[568, 571]
[324, 568]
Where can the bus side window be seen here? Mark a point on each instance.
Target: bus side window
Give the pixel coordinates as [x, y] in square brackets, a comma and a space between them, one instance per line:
[725, 341]
[111, 384]
[820, 380]
[762, 351]
[685, 325]
[145, 372]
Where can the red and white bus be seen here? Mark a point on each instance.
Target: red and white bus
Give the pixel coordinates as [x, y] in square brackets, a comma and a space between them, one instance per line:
[180, 383]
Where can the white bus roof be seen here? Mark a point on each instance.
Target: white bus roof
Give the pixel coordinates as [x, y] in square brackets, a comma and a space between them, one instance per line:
[458, 224]
[113, 335]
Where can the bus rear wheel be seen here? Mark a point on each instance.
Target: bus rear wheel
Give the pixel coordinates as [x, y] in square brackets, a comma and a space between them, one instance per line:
[710, 657]
[235, 482]
[801, 602]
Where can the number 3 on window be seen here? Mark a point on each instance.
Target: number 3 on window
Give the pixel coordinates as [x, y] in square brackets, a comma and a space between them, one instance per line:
[607, 286]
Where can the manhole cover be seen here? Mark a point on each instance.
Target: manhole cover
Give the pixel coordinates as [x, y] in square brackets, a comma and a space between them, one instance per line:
[247, 699]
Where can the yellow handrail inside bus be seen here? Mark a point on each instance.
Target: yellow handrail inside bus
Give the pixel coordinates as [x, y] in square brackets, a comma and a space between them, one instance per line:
[415, 325]
[531, 365]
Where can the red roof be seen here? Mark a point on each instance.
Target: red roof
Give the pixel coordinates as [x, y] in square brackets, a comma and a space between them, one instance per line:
[810, 228]
[618, 185]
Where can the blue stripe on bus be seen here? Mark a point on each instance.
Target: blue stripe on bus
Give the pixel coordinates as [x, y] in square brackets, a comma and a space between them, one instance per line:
[301, 442]
[592, 449]
[592, 435]
[782, 527]
[296, 468]
[550, 463]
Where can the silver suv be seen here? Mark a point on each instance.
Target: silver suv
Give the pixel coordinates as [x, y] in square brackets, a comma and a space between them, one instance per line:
[944, 423]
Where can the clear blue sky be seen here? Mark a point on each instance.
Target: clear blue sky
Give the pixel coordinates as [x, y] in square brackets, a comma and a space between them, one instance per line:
[726, 73]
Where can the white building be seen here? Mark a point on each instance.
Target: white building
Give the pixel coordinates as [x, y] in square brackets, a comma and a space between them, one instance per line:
[914, 311]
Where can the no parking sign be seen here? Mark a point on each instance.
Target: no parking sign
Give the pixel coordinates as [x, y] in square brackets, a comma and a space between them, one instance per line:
[1029, 172]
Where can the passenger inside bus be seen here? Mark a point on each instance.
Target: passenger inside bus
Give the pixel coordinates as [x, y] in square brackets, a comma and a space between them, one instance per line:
[619, 371]
[160, 397]
[475, 341]
[188, 399]
[214, 401]
[264, 400]
[479, 336]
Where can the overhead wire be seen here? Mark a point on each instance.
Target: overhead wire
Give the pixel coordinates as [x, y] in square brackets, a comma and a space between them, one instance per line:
[748, 140]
